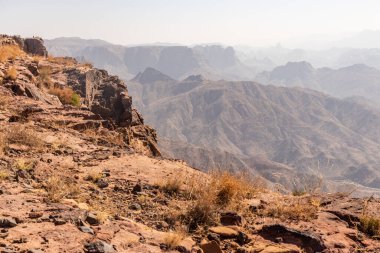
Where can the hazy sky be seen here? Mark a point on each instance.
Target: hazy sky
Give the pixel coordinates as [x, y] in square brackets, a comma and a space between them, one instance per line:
[249, 22]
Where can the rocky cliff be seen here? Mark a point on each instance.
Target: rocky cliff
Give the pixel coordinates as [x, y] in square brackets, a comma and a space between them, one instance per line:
[104, 95]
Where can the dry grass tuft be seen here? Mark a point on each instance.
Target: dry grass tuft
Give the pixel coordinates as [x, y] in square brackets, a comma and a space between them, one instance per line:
[4, 175]
[220, 190]
[173, 239]
[369, 223]
[44, 77]
[62, 60]
[172, 185]
[9, 52]
[94, 176]
[11, 74]
[24, 165]
[299, 208]
[87, 64]
[66, 95]
[58, 188]
[23, 136]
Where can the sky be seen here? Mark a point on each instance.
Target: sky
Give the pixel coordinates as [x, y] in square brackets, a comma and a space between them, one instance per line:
[232, 22]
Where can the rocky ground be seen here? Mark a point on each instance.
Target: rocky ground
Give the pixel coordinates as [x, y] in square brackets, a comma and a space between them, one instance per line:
[89, 178]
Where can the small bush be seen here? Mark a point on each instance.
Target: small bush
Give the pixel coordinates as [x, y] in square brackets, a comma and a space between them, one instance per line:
[66, 95]
[9, 52]
[94, 176]
[58, 188]
[11, 74]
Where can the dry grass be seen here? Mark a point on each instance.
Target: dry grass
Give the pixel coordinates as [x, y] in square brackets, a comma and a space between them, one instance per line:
[11, 73]
[173, 239]
[9, 52]
[94, 176]
[66, 96]
[62, 60]
[369, 223]
[58, 188]
[296, 208]
[220, 190]
[87, 64]
[4, 175]
[44, 77]
[23, 136]
[172, 185]
[106, 136]
[22, 164]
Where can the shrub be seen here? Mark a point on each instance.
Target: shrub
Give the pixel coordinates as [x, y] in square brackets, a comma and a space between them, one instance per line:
[66, 95]
[9, 52]
[11, 74]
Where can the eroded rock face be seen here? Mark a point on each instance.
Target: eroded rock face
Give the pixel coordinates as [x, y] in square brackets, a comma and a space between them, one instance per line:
[34, 46]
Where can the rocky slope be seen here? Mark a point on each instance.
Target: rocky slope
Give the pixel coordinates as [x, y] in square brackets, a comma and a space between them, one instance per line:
[88, 178]
[352, 81]
[304, 129]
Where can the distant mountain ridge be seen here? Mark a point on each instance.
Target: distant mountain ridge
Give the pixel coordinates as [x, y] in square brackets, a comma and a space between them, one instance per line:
[355, 80]
[178, 62]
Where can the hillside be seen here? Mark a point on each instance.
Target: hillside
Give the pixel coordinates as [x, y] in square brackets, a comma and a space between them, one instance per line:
[306, 130]
[214, 61]
[355, 80]
[81, 172]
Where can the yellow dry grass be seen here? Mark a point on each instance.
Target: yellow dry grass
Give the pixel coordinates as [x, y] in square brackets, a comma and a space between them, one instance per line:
[9, 52]
[11, 73]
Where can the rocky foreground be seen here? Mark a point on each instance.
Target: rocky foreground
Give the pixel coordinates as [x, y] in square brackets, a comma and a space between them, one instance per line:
[81, 172]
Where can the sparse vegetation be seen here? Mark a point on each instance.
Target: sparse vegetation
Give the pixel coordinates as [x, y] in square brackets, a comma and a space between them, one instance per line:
[9, 52]
[301, 208]
[58, 188]
[4, 175]
[370, 225]
[94, 176]
[171, 185]
[66, 96]
[44, 78]
[62, 60]
[23, 136]
[11, 73]
[173, 239]
[22, 164]
[87, 64]
[222, 189]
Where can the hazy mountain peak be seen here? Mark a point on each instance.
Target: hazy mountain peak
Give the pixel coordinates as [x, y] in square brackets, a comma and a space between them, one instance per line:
[194, 78]
[151, 75]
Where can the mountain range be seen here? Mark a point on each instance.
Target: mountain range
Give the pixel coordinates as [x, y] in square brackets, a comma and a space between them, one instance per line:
[214, 61]
[245, 122]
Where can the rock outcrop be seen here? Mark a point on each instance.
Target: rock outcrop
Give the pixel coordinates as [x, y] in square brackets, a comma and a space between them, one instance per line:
[104, 95]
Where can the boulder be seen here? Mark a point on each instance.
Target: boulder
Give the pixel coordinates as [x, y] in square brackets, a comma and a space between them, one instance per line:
[7, 222]
[224, 232]
[211, 247]
[99, 247]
